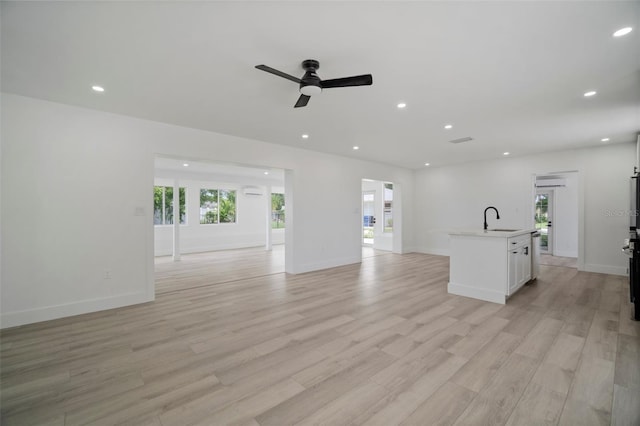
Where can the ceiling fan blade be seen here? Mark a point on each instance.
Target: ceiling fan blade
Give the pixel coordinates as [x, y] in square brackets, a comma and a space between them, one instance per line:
[278, 73]
[358, 80]
[303, 100]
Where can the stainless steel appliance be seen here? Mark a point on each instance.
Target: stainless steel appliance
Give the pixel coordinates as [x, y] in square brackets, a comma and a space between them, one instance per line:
[631, 246]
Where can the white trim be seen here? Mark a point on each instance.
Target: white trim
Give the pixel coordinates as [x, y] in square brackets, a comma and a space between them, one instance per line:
[432, 250]
[13, 319]
[560, 253]
[326, 264]
[605, 269]
[476, 293]
[219, 247]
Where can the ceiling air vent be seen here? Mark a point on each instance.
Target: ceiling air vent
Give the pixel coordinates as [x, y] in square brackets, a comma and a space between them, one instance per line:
[467, 139]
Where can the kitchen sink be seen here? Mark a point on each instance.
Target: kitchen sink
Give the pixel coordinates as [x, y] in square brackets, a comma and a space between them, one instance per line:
[504, 230]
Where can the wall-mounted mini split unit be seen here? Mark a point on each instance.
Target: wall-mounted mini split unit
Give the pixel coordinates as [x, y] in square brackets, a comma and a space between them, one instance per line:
[252, 191]
[461, 140]
[550, 182]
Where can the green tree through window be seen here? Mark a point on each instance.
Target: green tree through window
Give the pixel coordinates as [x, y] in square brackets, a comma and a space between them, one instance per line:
[163, 205]
[277, 211]
[217, 206]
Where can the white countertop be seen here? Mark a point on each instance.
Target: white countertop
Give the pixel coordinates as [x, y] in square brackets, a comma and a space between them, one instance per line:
[490, 233]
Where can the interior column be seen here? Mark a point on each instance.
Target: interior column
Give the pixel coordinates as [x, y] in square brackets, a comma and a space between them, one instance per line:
[267, 193]
[176, 221]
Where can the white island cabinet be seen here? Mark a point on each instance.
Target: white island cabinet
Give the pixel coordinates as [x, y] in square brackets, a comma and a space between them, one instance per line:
[489, 265]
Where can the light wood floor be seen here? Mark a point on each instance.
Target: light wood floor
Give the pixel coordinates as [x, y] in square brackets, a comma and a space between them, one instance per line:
[381, 343]
[550, 260]
[216, 267]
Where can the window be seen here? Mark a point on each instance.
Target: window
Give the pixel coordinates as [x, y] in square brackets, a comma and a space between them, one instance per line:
[388, 207]
[227, 206]
[163, 205]
[217, 206]
[208, 206]
[277, 211]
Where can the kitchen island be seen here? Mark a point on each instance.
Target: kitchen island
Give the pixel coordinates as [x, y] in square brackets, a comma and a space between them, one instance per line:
[489, 265]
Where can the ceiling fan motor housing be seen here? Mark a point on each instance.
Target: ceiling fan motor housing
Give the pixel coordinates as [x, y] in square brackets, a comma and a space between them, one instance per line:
[310, 84]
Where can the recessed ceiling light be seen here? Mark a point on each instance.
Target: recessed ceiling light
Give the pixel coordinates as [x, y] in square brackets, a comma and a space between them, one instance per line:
[355, 148]
[448, 126]
[185, 164]
[305, 136]
[604, 140]
[97, 88]
[589, 93]
[266, 173]
[402, 105]
[505, 153]
[426, 164]
[622, 32]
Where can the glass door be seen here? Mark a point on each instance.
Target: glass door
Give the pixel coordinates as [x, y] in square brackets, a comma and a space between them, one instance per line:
[368, 216]
[544, 219]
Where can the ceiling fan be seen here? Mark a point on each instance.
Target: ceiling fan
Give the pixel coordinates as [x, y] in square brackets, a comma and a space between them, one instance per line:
[311, 84]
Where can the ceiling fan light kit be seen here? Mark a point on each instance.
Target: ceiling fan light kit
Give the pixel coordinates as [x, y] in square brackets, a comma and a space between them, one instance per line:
[311, 84]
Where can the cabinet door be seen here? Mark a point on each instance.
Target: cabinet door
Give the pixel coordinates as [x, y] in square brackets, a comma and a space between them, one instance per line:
[513, 270]
[523, 269]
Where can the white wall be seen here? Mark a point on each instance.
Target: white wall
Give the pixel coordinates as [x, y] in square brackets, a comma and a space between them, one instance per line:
[456, 196]
[73, 179]
[249, 230]
[71, 182]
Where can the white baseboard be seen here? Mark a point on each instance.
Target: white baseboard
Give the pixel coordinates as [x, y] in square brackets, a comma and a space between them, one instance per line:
[433, 250]
[476, 293]
[203, 249]
[14, 319]
[606, 269]
[326, 264]
[565, 253]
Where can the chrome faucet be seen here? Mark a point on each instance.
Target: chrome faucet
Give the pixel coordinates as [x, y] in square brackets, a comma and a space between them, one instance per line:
[485, 216]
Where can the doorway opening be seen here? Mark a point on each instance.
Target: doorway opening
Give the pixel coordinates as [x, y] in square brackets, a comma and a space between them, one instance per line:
[544, 219]
[232, 223]
[378, 210]
[556, 218]
[368, 217]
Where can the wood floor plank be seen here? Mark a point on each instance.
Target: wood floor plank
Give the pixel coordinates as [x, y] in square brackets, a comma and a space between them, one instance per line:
[347, 407]
[307, 402]
[537, 342]
[537, 406]
[626, 406]
[443, 407]
[401, 405]
[479, 336]
[479, 370]
[627, 370]
[496, 401]
[591, 396]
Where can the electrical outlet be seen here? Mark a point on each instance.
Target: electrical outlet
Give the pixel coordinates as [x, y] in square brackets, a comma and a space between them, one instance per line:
[107, 274]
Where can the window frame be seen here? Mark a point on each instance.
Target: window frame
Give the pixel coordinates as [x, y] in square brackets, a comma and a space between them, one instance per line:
[284, 221]
[218, 208]
[387, 208]
[164, 206]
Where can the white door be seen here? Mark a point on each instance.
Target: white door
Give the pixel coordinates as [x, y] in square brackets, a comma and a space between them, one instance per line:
[368, 216]
[544, 219]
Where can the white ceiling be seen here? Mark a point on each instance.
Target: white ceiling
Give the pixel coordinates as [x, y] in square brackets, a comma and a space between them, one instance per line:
[509, 74]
